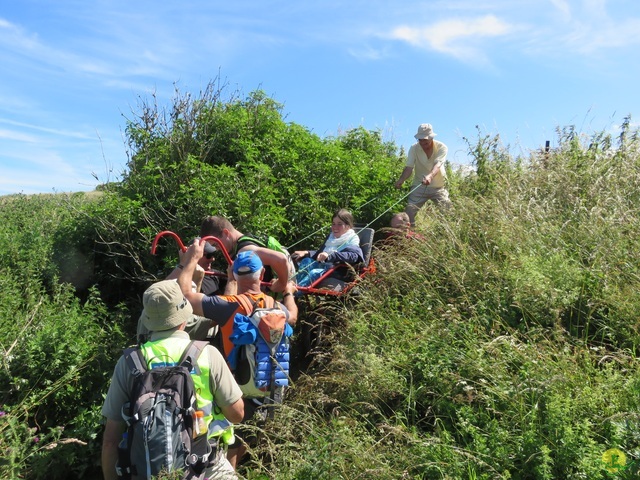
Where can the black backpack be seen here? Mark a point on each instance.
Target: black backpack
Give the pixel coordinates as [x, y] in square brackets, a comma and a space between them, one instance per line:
[160, 417]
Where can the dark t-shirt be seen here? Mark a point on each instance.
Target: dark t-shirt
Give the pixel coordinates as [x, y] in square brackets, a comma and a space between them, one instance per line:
[212, 285]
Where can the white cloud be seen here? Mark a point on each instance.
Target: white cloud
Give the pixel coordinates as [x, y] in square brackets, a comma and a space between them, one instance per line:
[457, 37]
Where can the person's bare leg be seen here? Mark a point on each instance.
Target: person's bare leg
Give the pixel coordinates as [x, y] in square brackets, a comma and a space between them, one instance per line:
[234, 455]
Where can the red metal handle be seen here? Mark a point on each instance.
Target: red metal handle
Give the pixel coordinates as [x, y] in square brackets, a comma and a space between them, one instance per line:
[221, 247]
[165, 233]
[168, 233]
[216, 240]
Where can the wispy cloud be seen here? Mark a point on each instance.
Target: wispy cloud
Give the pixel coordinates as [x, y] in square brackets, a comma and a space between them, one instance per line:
[53, 131]
[129, 55]
[17, 136]
[457, 37]
[583, 28]
[572, 28]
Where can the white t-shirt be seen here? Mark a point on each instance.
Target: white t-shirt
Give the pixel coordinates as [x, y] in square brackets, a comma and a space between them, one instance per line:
[422, 165]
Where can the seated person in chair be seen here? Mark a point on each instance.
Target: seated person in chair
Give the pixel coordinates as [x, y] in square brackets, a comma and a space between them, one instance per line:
[400, 227]
[341, 246]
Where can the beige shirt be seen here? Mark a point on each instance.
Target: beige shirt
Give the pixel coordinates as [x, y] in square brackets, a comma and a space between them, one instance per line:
[422, 165]
[224, 387]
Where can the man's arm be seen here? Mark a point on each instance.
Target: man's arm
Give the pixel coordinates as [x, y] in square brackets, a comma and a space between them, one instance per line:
[198, 276]
[427, 179]
[406, 173]
[235, 412]
[277, 261]
[289, 301]
[189, 262]
[231, 288]
[225, 389]
[112, 436]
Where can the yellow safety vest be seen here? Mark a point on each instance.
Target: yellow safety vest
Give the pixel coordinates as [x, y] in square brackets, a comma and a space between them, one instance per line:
[168, 351]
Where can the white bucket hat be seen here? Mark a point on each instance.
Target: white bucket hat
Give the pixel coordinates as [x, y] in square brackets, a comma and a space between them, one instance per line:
[425, 131]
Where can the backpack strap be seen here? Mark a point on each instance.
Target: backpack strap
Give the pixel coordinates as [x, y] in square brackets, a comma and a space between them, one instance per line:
[246, 303]
[250, 305]
[135, 360]
[189, 360]
[201, 450]
[192, 352]
[270, 300]
[137, 366]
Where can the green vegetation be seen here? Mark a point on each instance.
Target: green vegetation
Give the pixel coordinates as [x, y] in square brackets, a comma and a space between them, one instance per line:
[504, 346]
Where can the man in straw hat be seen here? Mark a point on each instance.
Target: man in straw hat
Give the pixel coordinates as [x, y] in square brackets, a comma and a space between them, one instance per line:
[427, 156]
[166, 312]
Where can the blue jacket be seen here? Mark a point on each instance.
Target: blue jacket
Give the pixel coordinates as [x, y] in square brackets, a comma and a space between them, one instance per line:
[351, 254]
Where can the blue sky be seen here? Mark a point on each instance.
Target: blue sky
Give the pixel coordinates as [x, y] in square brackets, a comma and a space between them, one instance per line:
[72, 70]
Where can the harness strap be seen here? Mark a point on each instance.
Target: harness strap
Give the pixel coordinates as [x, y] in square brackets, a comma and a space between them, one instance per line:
[245, 240]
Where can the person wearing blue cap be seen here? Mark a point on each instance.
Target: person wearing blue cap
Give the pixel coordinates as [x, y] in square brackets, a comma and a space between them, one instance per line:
[247, 271]
[246, 263]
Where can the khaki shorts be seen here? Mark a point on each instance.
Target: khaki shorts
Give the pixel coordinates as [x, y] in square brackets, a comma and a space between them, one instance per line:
[221, 468]
[420, 196]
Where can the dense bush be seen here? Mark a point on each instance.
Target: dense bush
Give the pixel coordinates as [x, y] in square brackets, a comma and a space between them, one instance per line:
[232, 157]
[57, 351]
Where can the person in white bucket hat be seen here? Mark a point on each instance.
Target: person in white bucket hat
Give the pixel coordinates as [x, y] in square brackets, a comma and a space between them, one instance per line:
[427, 156]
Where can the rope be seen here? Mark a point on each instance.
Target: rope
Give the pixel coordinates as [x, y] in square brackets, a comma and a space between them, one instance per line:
[359, 208]
[367, 203]
[308, 236]
[392, 206]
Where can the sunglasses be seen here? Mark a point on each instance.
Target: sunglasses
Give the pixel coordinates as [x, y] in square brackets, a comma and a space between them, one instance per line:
[210, 255]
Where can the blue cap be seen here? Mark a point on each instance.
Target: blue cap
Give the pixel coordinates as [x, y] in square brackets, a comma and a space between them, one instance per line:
[246, 262]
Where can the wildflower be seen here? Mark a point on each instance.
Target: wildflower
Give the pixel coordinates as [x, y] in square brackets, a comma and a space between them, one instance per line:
[36, 439]
[2, 414]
